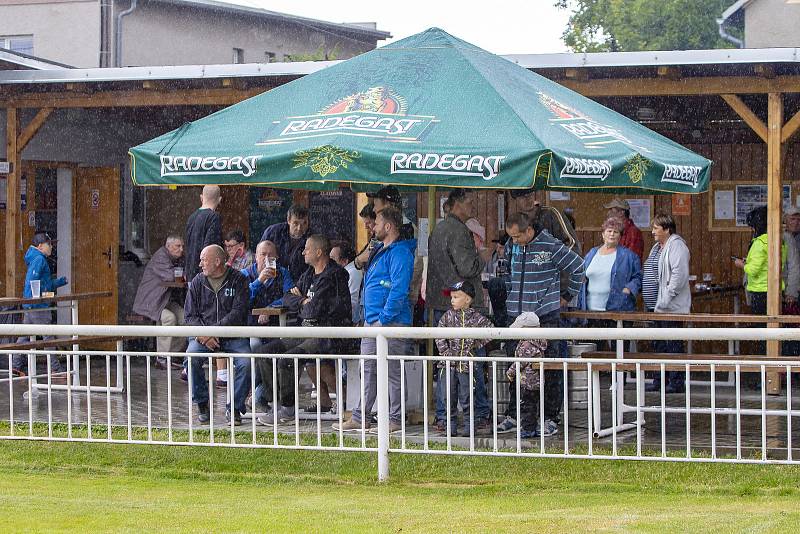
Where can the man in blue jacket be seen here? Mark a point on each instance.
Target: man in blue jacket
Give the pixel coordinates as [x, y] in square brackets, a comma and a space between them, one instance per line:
[387, 278]
[218, 296]
[38, 269]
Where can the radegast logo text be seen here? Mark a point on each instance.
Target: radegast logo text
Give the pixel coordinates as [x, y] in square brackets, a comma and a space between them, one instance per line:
[486, 167]
[682, 174]
[593, 134]
[198, 165]
[586, 168]
[378, 112]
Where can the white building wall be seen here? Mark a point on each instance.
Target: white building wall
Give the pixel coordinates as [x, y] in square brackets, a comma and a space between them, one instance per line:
[161, 34]
[66, 31]
[772, 24]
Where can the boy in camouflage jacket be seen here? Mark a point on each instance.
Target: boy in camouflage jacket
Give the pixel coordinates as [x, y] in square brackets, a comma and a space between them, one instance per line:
[460, 315]
[529, 375]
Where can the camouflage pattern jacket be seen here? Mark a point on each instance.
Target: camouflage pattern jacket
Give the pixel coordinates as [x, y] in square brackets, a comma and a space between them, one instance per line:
[529, 371]
[463, 348]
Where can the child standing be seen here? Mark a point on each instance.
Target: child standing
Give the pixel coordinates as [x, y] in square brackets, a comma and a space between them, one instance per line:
[529, 376]
[460, 314]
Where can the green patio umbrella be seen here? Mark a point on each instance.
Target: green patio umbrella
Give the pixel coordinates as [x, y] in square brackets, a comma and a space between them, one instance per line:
[429, 110]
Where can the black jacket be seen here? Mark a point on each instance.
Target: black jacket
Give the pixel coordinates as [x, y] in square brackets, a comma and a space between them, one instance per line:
[329, 293]
[202, 229]
[227, 307]
[290, 251]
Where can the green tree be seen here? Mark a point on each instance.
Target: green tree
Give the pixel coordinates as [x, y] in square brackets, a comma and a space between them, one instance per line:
[320, 55]
[633, 25]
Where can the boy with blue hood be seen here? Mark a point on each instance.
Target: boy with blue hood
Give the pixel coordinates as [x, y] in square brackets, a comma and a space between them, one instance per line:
[38, 269]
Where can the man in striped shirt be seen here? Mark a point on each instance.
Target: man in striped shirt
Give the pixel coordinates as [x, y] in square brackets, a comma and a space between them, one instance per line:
[537, 263]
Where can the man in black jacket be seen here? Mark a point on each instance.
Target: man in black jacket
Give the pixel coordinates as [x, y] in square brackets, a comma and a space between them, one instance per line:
[202, 229]
[290, 238]
[322, 298]
[218, 296]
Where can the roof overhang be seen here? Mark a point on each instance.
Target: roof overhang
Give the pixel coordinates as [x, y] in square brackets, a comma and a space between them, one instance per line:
[17, 61]
[694, 63]
[228, 7]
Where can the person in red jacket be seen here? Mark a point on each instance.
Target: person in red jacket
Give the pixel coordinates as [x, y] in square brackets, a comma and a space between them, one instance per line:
[631, 235]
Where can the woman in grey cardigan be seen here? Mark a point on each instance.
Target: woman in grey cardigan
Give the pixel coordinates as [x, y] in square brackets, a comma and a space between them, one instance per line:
[665, 289]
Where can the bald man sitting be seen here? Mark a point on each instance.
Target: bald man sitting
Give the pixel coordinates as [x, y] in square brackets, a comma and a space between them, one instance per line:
[218, 296]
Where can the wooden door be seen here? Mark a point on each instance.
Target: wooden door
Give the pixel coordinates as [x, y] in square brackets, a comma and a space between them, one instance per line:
[95, 242]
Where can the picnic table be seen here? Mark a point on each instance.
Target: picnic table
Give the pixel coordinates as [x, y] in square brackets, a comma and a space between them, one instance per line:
[281, 313]
[620, 318]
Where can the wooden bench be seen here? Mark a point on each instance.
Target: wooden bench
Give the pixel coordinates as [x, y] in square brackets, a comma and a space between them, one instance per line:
[689, 359]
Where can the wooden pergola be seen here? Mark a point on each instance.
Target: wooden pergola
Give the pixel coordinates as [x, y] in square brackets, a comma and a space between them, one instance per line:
[769, 87]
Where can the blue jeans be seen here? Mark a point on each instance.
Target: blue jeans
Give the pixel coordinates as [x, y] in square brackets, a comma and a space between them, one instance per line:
[241, 366]
[482, 409]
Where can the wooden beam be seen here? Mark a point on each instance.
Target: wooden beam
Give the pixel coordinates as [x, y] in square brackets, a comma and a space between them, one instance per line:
[12, 202]
[774, 233]
[701, 85]
[135, 98]
[671, 73]
[790, 128]
[581, 75]
[765, 71]
[32, 127]
[747, 115]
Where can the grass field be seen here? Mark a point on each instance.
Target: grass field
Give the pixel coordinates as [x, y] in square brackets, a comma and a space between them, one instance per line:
[97, 487]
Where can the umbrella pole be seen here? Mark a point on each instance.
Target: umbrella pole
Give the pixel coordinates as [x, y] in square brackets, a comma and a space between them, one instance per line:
[429, 343]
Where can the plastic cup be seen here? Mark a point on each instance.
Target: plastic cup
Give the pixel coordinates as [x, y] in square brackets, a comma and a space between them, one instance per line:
[178, 274]
[36, 289]
[272, 263]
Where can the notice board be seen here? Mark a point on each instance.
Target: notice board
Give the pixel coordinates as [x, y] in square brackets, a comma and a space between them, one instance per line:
[333, 214]
[589, 213]
[731, 201]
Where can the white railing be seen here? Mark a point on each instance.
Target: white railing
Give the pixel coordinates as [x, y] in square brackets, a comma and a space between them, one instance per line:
[707, 423]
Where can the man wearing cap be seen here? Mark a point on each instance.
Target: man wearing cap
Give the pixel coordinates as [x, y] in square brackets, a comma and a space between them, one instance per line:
[452, 257]
[38, 270]
[381, 199]
[631, 235]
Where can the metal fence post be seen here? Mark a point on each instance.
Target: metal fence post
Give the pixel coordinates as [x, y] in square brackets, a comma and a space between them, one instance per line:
[382, 352]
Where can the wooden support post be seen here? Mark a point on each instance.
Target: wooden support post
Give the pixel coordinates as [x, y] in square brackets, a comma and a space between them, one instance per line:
[790, 128]
[747, 115]
[433, 212]
[12, 201]
[30, 130]
[774, 234]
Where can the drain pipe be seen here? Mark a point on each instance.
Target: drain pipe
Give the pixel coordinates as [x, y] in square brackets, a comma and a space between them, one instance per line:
[722, 33]
[118, 34]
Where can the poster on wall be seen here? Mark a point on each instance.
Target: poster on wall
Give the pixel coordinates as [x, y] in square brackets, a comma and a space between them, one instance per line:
[723, 205]
[23, 193]
[749, 197]
[640, 211]
[681, 204]
[333, 214]
[267, 206]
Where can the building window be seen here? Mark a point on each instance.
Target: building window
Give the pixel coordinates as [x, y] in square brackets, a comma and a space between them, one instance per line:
[270, 57]
[18, 43]
[238, 55]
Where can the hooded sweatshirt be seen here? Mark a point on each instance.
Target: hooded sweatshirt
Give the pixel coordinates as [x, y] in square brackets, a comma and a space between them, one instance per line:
[536, 270]
[38, 269]
[387, 281]
[674, 295]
